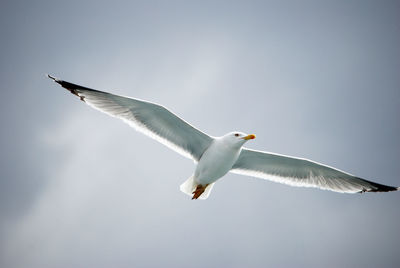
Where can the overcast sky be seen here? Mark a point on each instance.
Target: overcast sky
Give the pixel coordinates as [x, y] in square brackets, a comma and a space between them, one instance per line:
[314, 79]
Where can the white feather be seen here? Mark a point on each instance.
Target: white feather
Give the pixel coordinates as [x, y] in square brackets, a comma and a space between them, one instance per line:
[299, 172]
[151, 119]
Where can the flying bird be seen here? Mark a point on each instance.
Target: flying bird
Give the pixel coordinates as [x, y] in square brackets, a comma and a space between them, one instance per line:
[216, 156]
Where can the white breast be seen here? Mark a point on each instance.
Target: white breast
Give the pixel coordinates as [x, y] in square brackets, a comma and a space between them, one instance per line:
[216, 161]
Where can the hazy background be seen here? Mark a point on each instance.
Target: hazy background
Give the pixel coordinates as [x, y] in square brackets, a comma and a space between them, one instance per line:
[316, 79]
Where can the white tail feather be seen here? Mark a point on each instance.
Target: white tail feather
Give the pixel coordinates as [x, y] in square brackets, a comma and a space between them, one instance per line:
[189, 186]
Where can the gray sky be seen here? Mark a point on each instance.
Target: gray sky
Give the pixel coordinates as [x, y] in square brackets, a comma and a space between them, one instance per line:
[315, 79]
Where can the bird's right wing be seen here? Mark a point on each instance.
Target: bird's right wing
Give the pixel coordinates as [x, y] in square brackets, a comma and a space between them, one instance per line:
[302, 172]
[151, 119]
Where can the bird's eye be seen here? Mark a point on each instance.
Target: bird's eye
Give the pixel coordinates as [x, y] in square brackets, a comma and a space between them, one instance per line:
[236, 134]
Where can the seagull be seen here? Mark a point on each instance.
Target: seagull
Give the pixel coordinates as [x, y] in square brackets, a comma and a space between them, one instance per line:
[216, 156]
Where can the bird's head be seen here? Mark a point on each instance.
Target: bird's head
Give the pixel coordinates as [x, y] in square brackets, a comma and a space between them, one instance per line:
[238, 138]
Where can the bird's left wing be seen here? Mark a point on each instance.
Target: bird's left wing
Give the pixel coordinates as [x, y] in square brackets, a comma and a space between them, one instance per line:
[302, 172]
[151, 119]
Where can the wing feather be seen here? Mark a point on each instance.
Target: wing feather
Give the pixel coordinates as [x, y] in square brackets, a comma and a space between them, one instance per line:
[149, 118]
[302, 172]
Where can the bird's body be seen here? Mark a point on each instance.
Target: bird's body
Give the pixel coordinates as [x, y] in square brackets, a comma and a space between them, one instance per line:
[216, 156]
[217, 160]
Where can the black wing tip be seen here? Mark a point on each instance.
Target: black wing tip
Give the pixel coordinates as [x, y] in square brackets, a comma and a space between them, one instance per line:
[377, 187]
[55, 79]
[58, 81]
[68, 86]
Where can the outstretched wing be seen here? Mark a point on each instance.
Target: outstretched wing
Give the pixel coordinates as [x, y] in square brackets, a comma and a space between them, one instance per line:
[151, 119]
[302, 172]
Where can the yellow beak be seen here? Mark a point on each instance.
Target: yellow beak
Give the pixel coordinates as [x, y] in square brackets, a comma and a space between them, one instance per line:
[249, 137]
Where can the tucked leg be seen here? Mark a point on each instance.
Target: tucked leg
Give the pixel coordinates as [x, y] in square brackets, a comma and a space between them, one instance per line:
[199, 190]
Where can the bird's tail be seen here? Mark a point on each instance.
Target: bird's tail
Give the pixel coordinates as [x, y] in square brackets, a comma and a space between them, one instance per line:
[189, 186]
